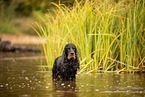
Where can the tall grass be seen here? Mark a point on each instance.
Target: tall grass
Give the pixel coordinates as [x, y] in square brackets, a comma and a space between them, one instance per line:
[6, 14]
[109, 35]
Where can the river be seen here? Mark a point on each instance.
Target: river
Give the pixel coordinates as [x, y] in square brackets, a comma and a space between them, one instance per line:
[21, 76]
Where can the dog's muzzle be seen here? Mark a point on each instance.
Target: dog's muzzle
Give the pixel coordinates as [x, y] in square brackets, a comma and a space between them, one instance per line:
[71, 55]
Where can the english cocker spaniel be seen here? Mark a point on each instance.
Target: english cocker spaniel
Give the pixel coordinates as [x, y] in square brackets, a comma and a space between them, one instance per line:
[65, 66]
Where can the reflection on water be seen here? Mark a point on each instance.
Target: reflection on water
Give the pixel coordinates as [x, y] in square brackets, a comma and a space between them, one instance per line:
[20, 78]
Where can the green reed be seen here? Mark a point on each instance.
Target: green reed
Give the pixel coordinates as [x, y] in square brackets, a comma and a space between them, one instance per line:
[109, 35]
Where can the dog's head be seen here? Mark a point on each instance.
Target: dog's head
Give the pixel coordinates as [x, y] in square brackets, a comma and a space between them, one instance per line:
[70, 51]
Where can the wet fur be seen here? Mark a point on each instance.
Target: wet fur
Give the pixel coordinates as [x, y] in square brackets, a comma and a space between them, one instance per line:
[65, 66]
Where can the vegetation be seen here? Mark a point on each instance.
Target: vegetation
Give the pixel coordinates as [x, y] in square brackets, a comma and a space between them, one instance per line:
[109, 35]
[16, 15]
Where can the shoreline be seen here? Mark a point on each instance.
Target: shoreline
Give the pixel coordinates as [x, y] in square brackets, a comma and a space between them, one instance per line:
[22, 39]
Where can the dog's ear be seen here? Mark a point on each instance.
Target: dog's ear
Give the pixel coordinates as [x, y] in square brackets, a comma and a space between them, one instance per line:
[64, 52]
[77, 58]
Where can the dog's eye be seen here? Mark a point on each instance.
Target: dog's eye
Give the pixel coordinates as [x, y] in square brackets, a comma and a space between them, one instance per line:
[68, 48]
[73, 48]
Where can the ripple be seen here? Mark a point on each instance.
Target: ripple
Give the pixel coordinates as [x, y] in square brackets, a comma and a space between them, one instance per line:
[128, 91]
[1, 86]
[6, 84]
[97, 90]
[25, 95]
[62, 84]
[26, 78]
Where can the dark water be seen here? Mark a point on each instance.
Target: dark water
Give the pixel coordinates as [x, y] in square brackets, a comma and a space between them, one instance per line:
[21, 78]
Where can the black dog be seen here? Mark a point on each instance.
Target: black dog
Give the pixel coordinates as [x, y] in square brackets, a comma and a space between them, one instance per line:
[65, 66]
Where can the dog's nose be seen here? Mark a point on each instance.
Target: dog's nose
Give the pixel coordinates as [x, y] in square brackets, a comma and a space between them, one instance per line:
[72, 53]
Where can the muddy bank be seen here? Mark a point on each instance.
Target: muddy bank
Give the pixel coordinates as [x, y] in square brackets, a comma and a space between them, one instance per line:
[22, 39]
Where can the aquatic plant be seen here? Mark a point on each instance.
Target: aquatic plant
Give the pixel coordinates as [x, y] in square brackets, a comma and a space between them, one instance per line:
[108, 34]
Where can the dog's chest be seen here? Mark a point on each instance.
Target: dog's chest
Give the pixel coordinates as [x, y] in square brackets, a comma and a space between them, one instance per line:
[70, 64]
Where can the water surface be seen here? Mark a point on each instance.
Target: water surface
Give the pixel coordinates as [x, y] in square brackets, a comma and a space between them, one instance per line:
[21, 77]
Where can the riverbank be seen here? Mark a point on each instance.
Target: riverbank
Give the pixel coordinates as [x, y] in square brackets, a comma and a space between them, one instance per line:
[22, 39]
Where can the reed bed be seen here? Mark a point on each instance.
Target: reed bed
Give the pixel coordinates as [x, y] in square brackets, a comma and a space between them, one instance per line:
[109, 35]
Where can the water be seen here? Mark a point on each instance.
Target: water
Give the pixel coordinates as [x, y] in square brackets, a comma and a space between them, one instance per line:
[21, 78]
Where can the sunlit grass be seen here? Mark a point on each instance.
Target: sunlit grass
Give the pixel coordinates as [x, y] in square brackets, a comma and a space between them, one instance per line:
[109, 35]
